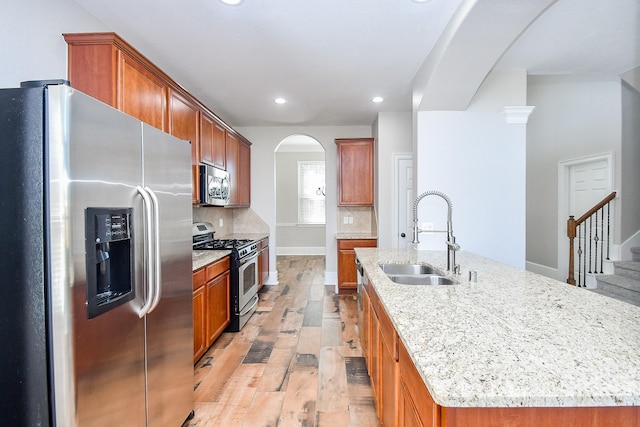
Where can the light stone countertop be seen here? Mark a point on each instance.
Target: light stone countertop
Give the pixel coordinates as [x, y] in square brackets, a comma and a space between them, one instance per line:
[512, 339]
[355, 236]
[203, 258]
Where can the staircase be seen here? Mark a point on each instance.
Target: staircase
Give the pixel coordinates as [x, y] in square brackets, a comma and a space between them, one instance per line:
[625, 283]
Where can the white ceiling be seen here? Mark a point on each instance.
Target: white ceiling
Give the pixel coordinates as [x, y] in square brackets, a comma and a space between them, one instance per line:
[328, 58]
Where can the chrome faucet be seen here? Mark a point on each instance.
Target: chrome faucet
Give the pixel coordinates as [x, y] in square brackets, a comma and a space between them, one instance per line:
[452, 246]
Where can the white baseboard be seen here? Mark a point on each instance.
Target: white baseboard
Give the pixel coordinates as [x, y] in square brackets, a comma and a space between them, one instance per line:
[331, 278]
[623, 251]
[300, 250]
[544, 270]
[273, 278]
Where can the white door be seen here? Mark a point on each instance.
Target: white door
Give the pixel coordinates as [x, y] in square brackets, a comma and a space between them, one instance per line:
[589, 183]
[404, 192]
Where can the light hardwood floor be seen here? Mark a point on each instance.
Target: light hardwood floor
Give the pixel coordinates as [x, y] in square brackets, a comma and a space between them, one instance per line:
[297, 362]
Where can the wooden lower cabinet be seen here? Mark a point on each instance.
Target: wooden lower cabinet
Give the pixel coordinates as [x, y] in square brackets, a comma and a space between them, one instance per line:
[347, 278]
[402, 398]
[211, 308]
[263, 262]
[218, 315]
[199, 317]
[381, 351]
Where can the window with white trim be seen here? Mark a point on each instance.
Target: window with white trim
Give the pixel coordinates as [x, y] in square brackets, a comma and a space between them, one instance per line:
[311, 192]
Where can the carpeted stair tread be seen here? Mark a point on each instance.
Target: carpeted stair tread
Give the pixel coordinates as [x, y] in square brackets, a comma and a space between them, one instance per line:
[620, 281]
[616, 296]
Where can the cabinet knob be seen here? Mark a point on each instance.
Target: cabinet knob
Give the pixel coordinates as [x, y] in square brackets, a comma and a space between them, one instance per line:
[403, 235]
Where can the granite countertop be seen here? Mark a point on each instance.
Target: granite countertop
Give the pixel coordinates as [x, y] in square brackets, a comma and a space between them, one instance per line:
[355, 236]
[512, 339]
[203, 258]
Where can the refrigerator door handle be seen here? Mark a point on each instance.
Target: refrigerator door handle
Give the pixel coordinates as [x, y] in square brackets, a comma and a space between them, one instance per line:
[149, 255]
[157, 294]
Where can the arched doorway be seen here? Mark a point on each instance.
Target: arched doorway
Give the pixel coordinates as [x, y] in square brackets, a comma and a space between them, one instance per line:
[300, 196]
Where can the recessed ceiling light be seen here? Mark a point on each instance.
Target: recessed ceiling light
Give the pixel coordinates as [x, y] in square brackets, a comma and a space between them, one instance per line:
[280, 101]
[377, 99]
[421, 1]
[231, 2]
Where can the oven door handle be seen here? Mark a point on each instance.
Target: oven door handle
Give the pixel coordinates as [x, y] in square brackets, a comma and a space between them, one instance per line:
[248, 309]
[245, 260]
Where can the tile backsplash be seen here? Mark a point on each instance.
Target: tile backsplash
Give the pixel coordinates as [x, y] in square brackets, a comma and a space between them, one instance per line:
[357, 219]
[227, 221]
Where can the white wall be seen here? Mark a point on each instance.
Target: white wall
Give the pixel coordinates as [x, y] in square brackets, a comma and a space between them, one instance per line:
[265, 140]
[478, 160]
[293, 238]
[31, 44]
[392, 135]
[575, 116]
[630, 164]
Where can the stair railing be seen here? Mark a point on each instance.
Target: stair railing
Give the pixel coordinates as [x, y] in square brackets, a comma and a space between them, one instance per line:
[592, 239]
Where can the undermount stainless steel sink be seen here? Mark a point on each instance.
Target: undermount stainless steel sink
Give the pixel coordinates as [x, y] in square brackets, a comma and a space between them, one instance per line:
[392, 269]
[422, 279]
[415, 274]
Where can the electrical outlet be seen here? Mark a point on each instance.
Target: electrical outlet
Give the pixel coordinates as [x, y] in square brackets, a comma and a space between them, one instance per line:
[221, 222]
[350, 220]
[345, 220]
[427, 226]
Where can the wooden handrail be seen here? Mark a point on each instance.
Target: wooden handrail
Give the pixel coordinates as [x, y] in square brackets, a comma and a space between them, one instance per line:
[593, 210]
[572, 226]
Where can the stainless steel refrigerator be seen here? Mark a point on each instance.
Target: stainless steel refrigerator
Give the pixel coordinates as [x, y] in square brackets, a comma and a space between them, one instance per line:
[96, 322]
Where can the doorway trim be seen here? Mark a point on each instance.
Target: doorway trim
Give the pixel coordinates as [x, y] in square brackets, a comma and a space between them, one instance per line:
[564, 168]
[395, 196]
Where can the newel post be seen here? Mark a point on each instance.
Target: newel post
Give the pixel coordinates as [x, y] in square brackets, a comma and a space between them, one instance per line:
[571, 234]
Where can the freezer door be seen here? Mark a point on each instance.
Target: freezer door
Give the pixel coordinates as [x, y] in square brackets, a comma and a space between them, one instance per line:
[94, 159]
[169, 325]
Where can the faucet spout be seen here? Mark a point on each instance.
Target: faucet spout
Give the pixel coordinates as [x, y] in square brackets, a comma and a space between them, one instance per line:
[452, 246]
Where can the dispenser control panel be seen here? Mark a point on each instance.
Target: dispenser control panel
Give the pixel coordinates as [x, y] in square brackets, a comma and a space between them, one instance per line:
[110, 258]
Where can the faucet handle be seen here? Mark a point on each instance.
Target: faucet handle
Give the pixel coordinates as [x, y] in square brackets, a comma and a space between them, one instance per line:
[456, 269]
[453, 245]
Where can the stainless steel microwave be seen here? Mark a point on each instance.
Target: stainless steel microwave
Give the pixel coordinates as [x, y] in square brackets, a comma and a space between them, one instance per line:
[214, 186]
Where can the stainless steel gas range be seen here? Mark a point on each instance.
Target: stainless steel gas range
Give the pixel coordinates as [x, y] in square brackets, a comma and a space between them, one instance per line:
[243, 271]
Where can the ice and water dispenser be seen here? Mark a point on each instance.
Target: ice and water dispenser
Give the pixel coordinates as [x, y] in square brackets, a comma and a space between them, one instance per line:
[109, 244]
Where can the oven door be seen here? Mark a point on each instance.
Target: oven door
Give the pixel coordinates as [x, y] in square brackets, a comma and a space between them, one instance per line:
[248, 280]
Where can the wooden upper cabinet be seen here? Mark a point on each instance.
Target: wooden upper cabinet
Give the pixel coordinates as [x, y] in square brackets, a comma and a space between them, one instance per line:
[212, 141]
[233, 167]
[244, 191]
[141, 94]
[105, 67]
[239, 168]
[184, 119]
[355, 172]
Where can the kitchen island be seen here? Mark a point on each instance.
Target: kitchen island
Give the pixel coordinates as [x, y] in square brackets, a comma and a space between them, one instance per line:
[513, 348]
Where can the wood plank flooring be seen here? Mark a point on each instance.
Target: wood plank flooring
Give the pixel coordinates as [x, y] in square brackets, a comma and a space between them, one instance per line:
[297, 362]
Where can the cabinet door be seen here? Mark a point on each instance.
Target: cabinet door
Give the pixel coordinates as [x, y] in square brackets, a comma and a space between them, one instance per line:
[212, 142]
[389, 376]
[199, 332]
[375, 359]
[365, 333]
[263, 262]
[141, 93]
[183, 123]
[347, 276]
[218, 315]
[244, 191]
[407, 410]
[233, 164]
[417, 401]
[355, 172]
